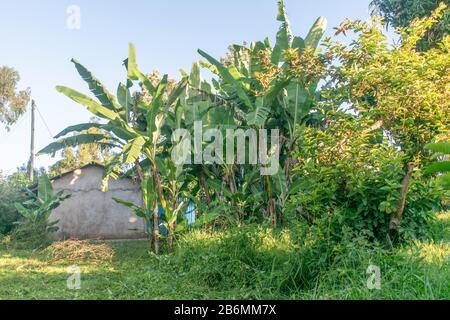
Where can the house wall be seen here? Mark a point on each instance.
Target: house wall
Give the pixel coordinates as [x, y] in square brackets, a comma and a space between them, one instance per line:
[92, 214]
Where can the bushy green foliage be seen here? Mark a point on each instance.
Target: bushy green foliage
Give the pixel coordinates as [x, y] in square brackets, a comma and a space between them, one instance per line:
[41, 203]
[13, 103]
[34, 228]
[10, 193]
[381, 107]
[401, 13]
[351, 140]
[342, 173]
[405, 89]
[29, 235]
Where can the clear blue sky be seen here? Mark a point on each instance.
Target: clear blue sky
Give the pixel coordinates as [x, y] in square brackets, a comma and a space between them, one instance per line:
[36, 41]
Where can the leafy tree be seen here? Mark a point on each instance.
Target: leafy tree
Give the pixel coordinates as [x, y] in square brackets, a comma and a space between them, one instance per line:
[401, 13]
[350, 176]
[404, 89]
[12, 191]
[12, 102]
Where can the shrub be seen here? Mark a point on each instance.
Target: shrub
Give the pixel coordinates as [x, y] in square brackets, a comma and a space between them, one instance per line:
[343, 176]
[30, 235]
[34, 228]
[10, 193]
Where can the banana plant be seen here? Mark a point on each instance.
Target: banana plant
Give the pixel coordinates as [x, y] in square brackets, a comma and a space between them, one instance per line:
[442, 150]
[40, 206]
[256, 88]
[267, 88]
[200, 103]
[132, 126]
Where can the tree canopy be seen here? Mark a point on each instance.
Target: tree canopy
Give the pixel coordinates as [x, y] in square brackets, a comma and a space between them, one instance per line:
[401, 13]
[13, 103]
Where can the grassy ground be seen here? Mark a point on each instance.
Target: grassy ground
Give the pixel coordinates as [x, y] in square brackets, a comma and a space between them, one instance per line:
[222, 266]
[132, 274]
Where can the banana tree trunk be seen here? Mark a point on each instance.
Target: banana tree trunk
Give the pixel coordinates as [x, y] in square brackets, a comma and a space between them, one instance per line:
[156, 235]
[229, 179]
[173, 226]
[288, 161]
[140, 174]
[171, 237]
[271, 203]
[233, 187]
[205, 188]
[158, 185]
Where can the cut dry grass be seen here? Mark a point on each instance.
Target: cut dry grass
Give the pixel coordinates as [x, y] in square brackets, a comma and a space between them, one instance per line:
[77, 250]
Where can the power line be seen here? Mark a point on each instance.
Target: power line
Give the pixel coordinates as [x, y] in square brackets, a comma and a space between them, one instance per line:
[45, 123]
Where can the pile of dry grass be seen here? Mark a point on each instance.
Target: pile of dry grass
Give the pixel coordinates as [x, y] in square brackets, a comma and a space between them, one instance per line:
[77, 250]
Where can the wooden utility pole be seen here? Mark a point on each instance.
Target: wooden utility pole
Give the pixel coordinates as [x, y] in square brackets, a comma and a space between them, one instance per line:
[31, 161]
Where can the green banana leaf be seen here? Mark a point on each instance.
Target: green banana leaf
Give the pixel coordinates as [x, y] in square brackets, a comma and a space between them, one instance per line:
[316, 33]
[228, 77]
[96, 87]
[75, 141]
[284, 34]
[45, 189]
[78, 128]
[440, 166]
[92, 105]
[257, 117]
[133, 149]
[133, 70]
[441, 147]
[137, 210]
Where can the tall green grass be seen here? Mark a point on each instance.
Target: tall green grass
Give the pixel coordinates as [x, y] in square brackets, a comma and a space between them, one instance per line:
[308, 262]
[245, 262]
